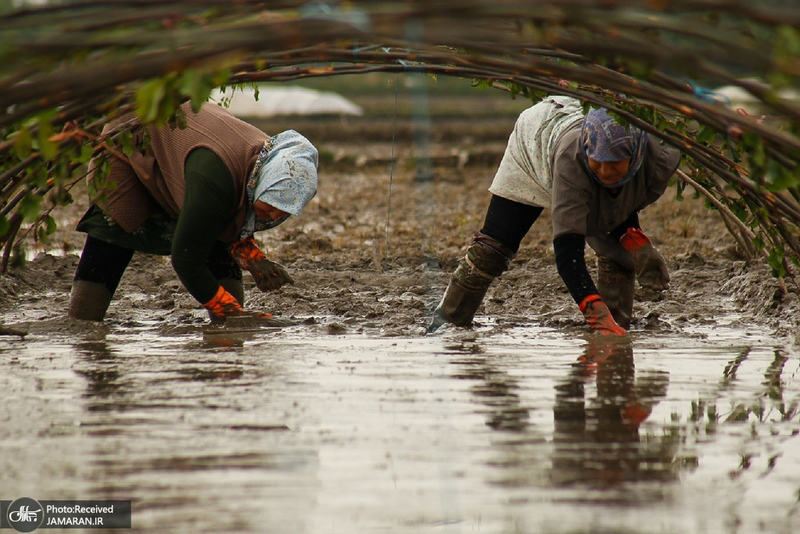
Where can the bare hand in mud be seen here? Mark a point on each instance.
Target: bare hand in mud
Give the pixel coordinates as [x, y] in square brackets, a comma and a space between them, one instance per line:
[269, 275]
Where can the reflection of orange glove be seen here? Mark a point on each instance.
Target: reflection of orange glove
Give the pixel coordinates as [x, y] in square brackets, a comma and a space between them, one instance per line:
[268, 275]
[598, 316]
[223, 305]
[634, 413]
[651, 268]
[598, 351]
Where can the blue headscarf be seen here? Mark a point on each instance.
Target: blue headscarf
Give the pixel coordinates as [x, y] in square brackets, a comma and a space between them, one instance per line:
[603, 139]
[284, 176]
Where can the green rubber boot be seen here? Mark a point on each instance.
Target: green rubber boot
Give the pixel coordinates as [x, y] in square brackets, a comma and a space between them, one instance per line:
[89, 301]
[486, 259]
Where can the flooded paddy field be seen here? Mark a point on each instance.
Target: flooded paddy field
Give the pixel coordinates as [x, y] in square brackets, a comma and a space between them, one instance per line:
[354, 419]
[521, 429]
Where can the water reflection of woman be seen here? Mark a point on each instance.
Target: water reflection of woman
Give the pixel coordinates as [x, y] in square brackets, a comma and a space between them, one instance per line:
[596, 437]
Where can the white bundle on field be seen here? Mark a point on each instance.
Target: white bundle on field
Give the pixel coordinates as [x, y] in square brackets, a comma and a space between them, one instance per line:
[287, 100]
[737, 97]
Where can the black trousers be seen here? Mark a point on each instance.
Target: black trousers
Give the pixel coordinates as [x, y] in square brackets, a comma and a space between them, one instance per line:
[508, 221]
[105, 263]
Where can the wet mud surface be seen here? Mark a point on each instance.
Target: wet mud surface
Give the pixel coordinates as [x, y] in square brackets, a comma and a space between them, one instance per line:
[354, 420]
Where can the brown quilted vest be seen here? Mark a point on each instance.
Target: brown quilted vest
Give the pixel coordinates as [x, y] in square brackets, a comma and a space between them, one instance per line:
[157, 176]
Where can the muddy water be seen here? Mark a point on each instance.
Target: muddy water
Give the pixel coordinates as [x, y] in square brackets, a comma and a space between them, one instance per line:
[491, 430]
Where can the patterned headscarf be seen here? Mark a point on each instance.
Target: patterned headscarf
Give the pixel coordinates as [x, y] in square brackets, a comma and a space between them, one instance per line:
[284, 176]
[603, 139]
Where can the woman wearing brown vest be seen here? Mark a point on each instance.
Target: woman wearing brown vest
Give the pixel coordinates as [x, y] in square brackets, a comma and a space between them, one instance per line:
[198, 194]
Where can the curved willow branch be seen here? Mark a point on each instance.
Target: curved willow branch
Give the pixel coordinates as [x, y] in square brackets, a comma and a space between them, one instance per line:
[84, 62]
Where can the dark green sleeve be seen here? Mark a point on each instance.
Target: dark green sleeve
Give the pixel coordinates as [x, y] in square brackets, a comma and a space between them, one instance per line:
[207, 204]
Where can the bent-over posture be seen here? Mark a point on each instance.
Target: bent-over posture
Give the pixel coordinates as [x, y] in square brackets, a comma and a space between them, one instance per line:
[198, 194]
[595, 175]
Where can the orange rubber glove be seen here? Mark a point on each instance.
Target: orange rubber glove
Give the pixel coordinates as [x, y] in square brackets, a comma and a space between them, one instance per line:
[268, 275]
[223, 305]
[634, 413]
[598, 316]
[651, 268]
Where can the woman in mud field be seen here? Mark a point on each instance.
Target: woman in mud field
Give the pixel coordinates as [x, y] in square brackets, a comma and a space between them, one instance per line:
[595, 175]
[197, 193]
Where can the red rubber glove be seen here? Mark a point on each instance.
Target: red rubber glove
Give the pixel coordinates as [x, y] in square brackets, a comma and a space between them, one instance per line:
[651, 268]
[598, 316]
[223, 305]
[268, 275]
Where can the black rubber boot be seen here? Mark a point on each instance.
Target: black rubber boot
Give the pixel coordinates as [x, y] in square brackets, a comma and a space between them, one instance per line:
[486, 259]
[617, 286]
[89, 301]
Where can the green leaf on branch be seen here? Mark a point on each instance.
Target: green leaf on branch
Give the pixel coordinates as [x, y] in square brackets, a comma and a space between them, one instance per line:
[484, 84]
[221, 77]
[99, 185]
[59, 196]
[143, 142]
[126, 142]
[740, 211]
[786, 43]
[758, 156]
[38, 177]
[48, 148]
[148, 100]
[775, 260]
[51, 225]
[85, 155]
[706, 134]
[197, 86]
[46, 229]
[30, 207]
[779, 177]
[23, 144]
[5, 226]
